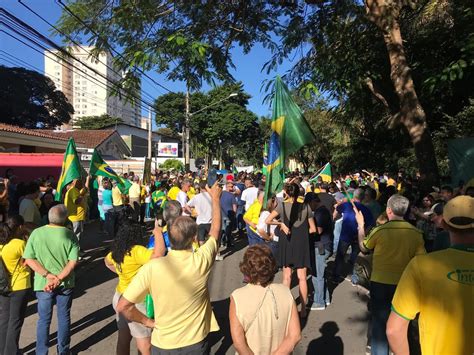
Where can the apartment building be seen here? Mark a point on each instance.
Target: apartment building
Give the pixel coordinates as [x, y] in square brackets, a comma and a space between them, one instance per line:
[87, 84]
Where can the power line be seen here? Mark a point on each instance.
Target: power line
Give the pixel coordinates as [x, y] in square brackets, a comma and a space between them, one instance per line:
[75, 42]
[17, 22]
[17, 62]
[109, 47]
[23, 26]
[62, 64]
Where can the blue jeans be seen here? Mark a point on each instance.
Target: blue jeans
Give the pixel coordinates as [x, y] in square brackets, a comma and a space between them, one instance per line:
[147, 210]
[63, 299]
[380, 299]
[341, 253]
[253, 237]
[321, 292]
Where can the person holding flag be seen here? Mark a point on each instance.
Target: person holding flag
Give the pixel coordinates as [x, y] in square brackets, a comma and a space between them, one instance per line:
[290, 132]
[71, 169]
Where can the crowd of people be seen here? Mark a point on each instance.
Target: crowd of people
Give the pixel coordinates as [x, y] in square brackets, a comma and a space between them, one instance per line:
[419, 243]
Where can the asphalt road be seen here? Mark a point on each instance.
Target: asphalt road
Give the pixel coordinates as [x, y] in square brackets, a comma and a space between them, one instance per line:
[340, 329]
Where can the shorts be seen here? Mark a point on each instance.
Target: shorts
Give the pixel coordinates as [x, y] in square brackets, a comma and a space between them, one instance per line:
[203, 231]
[137, 330]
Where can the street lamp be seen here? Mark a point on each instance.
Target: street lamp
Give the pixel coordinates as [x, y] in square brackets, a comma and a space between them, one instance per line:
[187, 129]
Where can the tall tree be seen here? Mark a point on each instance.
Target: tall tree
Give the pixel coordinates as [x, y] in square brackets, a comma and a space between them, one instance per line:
[29, 99]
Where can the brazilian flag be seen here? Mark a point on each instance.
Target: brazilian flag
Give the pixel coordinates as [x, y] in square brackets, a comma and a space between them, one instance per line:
[71, 168]
[290, 132]
[99, 167]
[325, 174]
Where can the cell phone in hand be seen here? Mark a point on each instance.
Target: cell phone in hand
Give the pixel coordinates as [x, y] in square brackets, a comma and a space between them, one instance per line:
[211, 177]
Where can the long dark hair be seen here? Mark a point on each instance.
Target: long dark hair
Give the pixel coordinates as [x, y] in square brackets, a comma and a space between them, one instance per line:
[9, 229]
[128, 235]
[293, 191]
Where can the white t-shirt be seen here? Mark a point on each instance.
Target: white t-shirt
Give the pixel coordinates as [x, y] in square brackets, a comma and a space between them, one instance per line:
[249, 195]
[263, 226]
[203, 205]
[182, 198]
[30, 212]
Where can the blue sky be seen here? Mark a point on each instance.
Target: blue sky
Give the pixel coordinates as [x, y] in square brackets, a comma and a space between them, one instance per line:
[248, 67]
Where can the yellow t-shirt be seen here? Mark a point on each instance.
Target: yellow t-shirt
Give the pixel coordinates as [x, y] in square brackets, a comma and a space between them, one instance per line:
[117, 197]
[134, 191]
[12, 253]
[139, 256]
[253, 213]
[178, 286]
[75, 212]
[173, 193]
[394, 243]
[440, 286]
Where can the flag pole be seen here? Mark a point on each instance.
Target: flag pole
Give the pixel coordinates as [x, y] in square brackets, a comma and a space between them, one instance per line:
[319, 171]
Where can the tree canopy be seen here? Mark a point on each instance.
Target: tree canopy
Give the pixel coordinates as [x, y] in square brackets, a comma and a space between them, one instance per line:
[390, 68]
[224, 125]
[97, 122]
[29, 99]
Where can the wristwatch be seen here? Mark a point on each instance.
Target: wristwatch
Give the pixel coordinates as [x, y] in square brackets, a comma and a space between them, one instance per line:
[46, 274]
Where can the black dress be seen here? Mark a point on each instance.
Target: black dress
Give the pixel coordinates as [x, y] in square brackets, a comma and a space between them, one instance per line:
[293, 249]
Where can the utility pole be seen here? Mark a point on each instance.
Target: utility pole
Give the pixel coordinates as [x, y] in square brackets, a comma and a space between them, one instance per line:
[186, 131]
[149, 132]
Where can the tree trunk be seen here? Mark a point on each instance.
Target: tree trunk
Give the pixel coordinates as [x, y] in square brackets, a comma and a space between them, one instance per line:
[411, 113]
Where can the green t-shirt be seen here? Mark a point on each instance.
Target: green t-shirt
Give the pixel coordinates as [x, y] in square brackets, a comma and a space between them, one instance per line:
[53, 247]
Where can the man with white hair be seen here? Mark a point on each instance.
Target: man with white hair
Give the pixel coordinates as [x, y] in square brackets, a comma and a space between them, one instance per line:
[52, 253]
[394, 244]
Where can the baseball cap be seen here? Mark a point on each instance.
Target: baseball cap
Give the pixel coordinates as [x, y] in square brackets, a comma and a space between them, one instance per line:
[437, 209]
[459, 212]
[229, 178]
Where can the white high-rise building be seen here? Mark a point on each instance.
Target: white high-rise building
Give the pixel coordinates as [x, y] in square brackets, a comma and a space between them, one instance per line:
[88, 90]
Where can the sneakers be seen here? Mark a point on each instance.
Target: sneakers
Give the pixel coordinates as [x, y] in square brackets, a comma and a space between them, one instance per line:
[317, 307]
[219, 257]
[328, 303]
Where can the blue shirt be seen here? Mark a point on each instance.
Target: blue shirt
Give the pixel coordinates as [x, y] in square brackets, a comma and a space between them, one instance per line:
[107, 197]
[349, 223]
[227, 202]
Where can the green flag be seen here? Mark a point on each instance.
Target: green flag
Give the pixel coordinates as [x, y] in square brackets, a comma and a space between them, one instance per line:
[71, 168]
[98, 167]
[124, 185]
[290, 132]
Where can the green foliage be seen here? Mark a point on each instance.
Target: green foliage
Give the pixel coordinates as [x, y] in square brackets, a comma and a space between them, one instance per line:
[172, 164]
[338, 52]
[223, 124]
[30, 99]
[165, 131]
[97, 122]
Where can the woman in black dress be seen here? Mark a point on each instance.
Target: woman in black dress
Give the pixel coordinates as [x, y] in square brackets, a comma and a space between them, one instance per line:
[293, 228]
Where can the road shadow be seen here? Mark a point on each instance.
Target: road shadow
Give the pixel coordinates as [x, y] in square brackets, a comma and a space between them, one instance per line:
[83, 281]
[221, 311]
[83, 323]
[100, 335]
[328, 343]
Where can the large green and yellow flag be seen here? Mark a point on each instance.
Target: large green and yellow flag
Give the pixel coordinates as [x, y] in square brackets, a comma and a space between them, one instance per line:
[290, 132]
[71, 168]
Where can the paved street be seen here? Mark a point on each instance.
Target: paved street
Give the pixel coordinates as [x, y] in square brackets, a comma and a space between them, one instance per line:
[93, 320]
